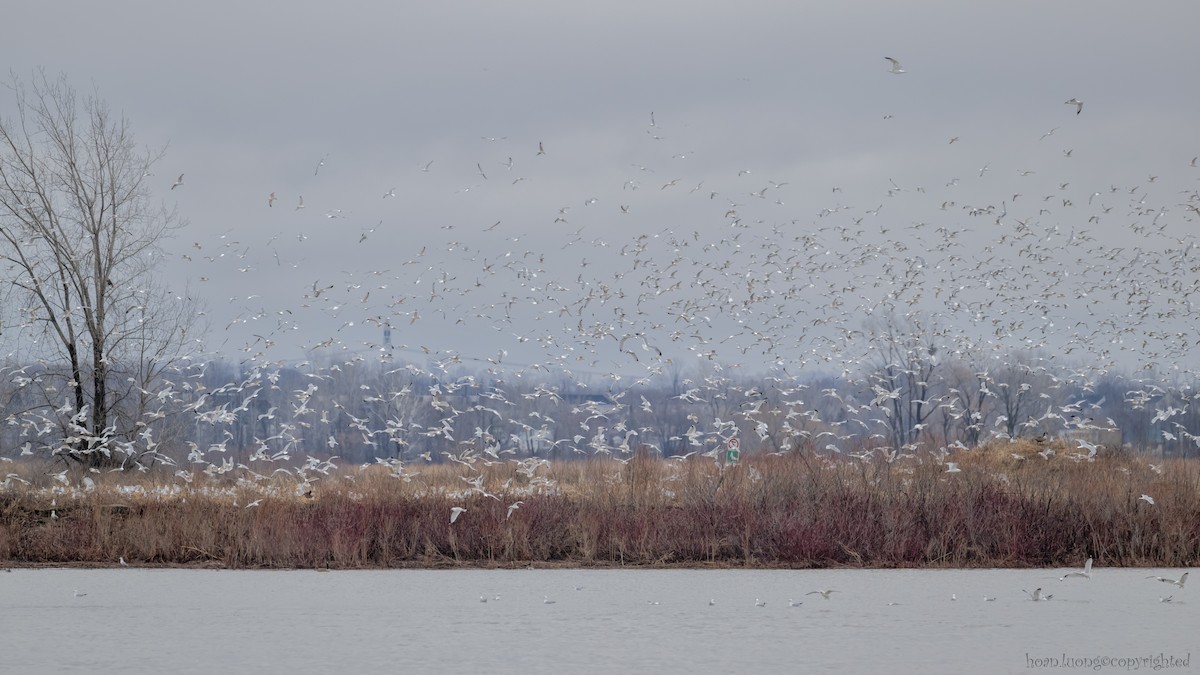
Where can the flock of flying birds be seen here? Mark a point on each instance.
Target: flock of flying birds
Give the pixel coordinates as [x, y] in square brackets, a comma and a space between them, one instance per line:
[1097, 274]
[682, 270]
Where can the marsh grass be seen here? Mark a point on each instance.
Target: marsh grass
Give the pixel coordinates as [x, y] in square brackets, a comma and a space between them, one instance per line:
[796, 510]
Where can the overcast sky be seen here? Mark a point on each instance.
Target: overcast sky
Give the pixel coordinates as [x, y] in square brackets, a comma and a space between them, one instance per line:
[667, 119]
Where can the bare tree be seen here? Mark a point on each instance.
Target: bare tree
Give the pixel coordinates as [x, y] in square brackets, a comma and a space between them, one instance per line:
[79, 241]
[902, 377]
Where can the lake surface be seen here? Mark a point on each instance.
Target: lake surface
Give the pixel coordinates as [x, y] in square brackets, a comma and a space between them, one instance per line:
[600, 621]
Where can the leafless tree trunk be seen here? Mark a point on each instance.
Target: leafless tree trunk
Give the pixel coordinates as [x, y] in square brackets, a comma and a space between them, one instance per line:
[79, 242]
[903, 377]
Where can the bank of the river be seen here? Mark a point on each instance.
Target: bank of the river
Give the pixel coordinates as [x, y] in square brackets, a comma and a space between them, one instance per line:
[793, 511]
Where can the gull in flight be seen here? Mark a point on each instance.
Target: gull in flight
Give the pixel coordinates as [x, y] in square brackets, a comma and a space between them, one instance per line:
[301, 204]
[122, 562]
[271, 200]
[952, 467]
[1037, 594]
[1148, 499]
[896, 69]
[823, 594]
[178, 182]
[1075, 102]
[1086, 572]
[455, 512]
[1174, 582]
[512, 507]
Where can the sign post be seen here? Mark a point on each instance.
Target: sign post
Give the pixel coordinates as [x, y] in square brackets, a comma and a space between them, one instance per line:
[732, 451]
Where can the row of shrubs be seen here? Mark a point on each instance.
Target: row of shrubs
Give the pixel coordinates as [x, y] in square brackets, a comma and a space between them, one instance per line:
[794, 510]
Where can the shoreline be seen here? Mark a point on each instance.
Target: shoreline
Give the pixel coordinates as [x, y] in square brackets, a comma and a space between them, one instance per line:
[791, 512]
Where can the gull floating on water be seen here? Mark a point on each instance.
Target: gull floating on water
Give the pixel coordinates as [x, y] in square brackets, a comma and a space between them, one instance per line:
[896, 69]
[760, 603]
[793, 603]
[1086, 572]
[546, 600]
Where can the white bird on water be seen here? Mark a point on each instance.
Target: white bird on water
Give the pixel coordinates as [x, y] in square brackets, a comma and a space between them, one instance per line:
[78, 594]
[896, 69]
[455, 512]
[546, 600]
[1086, 573]
[760, 603]
[1036, 595]
[1174, 582]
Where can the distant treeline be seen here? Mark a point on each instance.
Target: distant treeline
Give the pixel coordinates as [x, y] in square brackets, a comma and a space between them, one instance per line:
[361, 410]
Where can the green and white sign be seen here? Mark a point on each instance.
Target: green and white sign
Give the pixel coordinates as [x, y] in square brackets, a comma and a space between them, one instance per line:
[733, 450]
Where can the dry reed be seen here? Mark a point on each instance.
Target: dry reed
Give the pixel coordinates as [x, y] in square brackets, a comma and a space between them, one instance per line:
[796, 510]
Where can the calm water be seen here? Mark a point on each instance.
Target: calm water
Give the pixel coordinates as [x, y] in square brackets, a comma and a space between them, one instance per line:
[601, 621]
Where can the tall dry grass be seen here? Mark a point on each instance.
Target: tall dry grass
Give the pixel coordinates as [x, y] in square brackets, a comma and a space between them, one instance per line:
[797, 510]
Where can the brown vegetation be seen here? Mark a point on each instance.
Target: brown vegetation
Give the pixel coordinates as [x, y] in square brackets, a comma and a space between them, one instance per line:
[794, 510]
